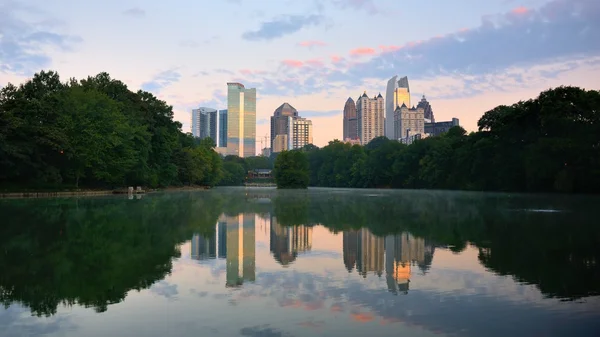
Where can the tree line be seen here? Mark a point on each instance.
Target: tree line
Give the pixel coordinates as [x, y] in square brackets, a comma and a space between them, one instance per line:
[96, 133]
[547, 144]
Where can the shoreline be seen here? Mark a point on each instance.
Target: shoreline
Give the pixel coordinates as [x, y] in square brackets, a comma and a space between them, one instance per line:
[87, 193]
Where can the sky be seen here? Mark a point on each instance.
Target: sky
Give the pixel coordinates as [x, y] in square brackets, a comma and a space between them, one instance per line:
[466, 56]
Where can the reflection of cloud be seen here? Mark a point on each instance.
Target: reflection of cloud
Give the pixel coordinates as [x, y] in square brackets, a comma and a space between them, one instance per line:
[16, 321]
[165, 289]
[263, 331]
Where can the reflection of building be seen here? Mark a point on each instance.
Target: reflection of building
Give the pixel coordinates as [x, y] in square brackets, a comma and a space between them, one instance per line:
[204, 247]
[365, 250]
[241, 246]
[402, 252]
[287, 242]
[350, 249]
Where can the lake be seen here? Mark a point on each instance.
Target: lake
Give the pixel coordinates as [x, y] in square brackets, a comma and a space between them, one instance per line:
[317, 262]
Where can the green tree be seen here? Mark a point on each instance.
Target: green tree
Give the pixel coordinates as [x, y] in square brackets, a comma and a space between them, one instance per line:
[291, 170]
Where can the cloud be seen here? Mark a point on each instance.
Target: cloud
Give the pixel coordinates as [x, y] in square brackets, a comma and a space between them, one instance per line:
[24, 44]
[161, 80]
[262, 121]
[282, 26]
[367, 5]
[263, 331]
[311, 44]
[135, 12]
[362, 51]
[292, 63]
[313, 113]
[561, 31]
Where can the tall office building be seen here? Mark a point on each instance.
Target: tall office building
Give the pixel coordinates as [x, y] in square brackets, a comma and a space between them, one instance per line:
[370, 116]
[428, 111]
[301, 133]
[281, 127]
[288, 130]
[204, 121]
[350, 122]
[397, 93]
[408, 122]
[241, 120]
[222, 129]
[208, 122]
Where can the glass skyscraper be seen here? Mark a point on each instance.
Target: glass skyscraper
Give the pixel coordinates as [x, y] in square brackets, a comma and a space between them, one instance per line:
[397, 93]
[241, 120]
[222, 129]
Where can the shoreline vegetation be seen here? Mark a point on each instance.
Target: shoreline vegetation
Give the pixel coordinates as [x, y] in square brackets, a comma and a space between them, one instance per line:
[86, 136]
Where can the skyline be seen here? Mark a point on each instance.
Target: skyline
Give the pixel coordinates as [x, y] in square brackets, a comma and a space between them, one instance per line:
[487, 54]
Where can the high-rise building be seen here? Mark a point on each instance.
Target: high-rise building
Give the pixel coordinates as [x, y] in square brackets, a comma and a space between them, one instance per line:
[397, 93]
[222, 129]
[437, 128]
[370, 115]
[288, 130]
[350, 121]
[204, 122]
[281, 127]
[208, 122]
[408, 122]
[241, 120]
[428, 112]
[301, 133]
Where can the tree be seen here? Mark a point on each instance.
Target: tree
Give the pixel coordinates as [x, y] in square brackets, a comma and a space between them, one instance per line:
[291, 170]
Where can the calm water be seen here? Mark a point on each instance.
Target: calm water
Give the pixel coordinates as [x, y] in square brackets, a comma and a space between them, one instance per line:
[323, 262]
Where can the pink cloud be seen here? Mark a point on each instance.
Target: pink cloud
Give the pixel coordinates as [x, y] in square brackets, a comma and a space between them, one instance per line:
[520, 10]
[314, 63]
[336, 59]
[386, 49]
[293, 63]
[246, 72]
[312, 44]
[362, 51]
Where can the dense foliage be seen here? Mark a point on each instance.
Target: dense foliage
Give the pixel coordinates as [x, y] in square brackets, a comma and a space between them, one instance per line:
[95, 133]
[547, 144]
[291, 170]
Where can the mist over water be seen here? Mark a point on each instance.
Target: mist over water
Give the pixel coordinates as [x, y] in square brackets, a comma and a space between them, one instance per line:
[317, 262]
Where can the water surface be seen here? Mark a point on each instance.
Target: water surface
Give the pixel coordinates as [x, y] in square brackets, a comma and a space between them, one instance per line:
[322, 262]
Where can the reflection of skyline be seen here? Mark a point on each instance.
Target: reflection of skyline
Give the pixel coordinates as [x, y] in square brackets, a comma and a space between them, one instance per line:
[287, 242]
[365, 252]
[233, 239]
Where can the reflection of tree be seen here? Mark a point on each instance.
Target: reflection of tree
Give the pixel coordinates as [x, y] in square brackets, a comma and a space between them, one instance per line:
[557, 251]
[91, 252]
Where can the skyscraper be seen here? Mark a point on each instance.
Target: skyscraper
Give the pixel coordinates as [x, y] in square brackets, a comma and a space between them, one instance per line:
[222, 129]
[408, 122]
[281, 127]
[204, 121]
[397, 93]
[241, 120]
[428, 112]
[370, 117]
[350, 122]
[288, 130]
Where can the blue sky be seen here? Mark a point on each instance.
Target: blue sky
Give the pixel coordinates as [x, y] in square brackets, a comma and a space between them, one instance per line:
[467, 56]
